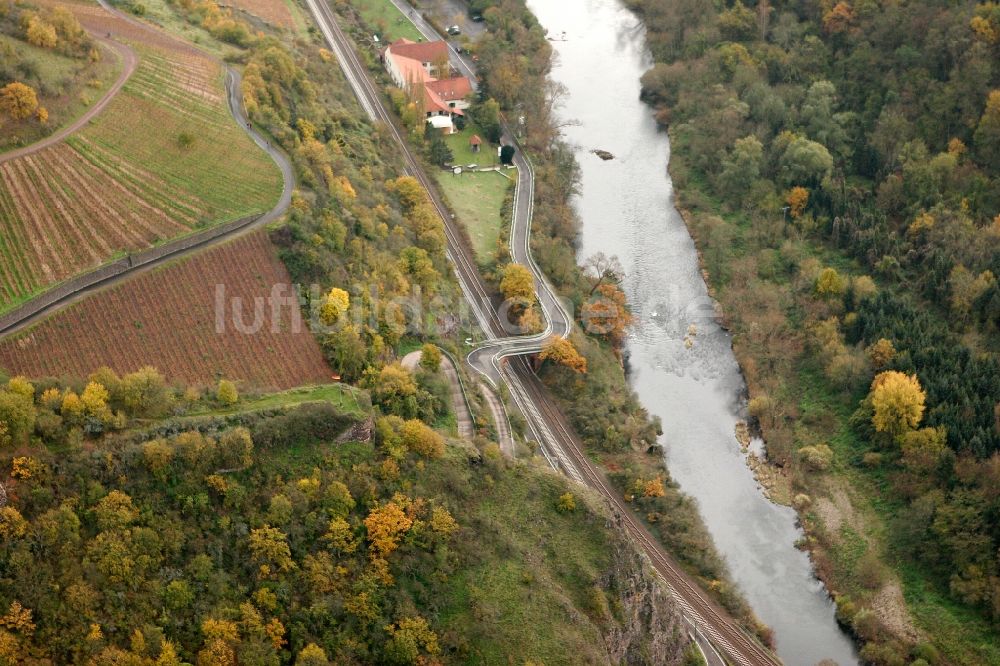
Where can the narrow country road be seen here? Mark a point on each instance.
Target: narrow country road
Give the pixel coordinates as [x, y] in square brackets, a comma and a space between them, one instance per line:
[463, 417]
[559, 444]
[129, 63]
[234, 98]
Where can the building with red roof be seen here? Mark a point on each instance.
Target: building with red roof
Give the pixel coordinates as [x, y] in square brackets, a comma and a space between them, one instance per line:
[413, 66]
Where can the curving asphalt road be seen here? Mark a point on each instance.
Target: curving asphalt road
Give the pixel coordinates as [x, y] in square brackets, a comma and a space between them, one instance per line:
[560, 445]
[234, 97]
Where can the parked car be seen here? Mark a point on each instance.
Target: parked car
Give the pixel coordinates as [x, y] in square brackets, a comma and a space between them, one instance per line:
[454, 30]
[478, 18]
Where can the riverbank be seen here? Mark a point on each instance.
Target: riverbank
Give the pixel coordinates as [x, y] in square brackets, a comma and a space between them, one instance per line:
[879, 527]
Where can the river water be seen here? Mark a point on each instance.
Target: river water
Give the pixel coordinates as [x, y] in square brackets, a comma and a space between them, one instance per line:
[626, 206]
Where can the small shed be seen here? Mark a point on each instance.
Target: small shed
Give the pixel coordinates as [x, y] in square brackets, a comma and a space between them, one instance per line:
[475, 143]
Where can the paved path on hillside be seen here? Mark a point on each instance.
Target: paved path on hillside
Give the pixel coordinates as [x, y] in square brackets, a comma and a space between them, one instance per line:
[129, 63]
[504, 437]
[234, 98]
[463, 417]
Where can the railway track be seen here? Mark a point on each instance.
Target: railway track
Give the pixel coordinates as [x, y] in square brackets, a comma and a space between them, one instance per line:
[547, 423]
[371, 101]
[707, 615]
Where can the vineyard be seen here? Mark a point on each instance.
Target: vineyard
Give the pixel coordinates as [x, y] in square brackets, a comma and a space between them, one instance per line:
[163, 159]
[167, 318]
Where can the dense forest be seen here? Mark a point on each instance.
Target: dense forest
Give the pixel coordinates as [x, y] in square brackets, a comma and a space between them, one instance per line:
[839, 165]
[267, 537]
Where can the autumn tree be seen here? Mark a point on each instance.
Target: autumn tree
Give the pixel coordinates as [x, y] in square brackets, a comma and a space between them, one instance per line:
[797, 199]
[562, 352]
[923, 450]
[336, 303]
[18, 100]
[410, 639]
[144, 392]
[518, 284]
[606, 313]
[829, 284]
[987, 136]
[115, 511]
[417, 264]
[312, 655]
[839, 18]
[394, 389]
[226, 393]
[897, 402]
[418, 437]
[601, 269]
[39, 32]
[738, 23]
[880, 353]
[385, 525]
[270, 551]
[430, 357]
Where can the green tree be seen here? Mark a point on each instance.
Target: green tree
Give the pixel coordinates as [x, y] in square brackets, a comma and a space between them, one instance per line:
[439, 152]
[144, 393]
[487, 116]
[805, 161]
[17, 418]
[741, 168]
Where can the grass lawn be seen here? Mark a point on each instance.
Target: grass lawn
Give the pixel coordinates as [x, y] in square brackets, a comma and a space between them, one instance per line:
[477, 198]
[347, 399]
[390, 23]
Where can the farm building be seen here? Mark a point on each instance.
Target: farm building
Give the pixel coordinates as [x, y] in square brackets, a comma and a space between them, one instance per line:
[417, 68]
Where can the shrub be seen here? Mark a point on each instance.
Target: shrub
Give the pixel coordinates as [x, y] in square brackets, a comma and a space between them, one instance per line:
[817, 458]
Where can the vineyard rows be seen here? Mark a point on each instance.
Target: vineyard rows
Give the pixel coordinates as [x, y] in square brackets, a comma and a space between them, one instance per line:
[163, 158]
[166, 318]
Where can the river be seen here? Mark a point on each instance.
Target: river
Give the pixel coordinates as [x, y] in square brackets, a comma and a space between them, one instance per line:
[626, 207]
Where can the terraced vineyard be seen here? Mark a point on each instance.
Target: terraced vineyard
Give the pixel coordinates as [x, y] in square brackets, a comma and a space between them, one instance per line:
[163, 159]
[167, 318]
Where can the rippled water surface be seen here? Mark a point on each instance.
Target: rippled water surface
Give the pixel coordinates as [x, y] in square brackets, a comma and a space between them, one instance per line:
[627, 209]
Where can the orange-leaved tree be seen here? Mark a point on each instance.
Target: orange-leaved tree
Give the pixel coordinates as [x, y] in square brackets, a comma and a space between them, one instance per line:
[562, 351]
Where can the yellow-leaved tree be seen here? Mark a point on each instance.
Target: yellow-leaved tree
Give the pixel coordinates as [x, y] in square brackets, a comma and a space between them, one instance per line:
[897, 403]
[18, 100]
[336, 304]
[562, 351]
